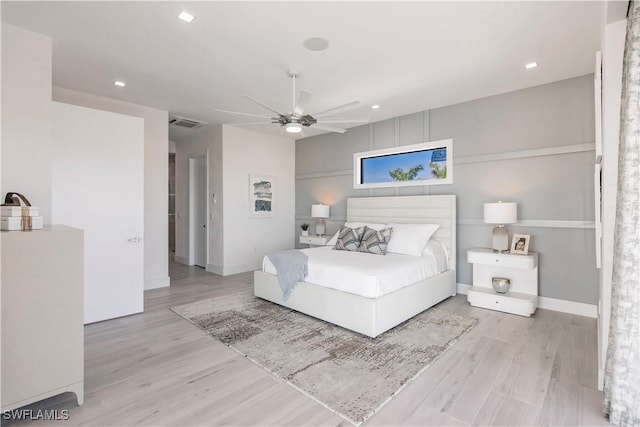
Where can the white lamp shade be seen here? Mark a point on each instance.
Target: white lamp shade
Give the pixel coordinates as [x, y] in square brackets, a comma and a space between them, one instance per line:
[320, 211]
[500, 213]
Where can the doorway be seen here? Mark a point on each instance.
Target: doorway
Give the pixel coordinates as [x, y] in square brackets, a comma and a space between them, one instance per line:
[198, 230]
[172, 205]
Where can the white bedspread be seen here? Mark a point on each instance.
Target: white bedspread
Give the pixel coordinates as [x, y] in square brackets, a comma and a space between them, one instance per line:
[363, 274]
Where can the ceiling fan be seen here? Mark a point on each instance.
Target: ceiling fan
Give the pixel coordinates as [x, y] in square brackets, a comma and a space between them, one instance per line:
[295, 121]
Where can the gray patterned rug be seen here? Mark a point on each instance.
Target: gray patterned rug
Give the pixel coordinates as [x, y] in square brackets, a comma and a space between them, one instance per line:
[351, 374]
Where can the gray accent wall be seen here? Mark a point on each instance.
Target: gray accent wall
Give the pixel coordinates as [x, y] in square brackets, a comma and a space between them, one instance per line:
[534, 146]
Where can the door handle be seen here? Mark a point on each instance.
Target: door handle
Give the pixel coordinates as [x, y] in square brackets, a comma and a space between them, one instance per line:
[134, 240]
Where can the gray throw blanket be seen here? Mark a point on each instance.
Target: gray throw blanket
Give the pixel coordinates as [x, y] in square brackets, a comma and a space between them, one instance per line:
[291, 267]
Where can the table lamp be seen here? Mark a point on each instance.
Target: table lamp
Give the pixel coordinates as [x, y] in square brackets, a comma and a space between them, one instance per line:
[321, 212]
[500, 213]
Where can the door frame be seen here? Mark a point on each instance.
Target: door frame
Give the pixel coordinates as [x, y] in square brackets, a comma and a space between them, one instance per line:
[192, 212]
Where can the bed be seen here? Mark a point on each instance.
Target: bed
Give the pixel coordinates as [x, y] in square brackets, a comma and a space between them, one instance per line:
[371, 316]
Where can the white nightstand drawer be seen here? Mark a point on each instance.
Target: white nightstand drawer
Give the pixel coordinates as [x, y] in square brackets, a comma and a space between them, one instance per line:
[488, 257]
[314, 240]
[511, 302]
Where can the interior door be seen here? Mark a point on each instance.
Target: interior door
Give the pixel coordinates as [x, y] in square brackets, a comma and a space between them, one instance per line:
[200, 206]
[97, 186]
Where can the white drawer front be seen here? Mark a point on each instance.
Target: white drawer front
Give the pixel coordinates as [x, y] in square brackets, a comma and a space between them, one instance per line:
[523, 307]
[503, 260]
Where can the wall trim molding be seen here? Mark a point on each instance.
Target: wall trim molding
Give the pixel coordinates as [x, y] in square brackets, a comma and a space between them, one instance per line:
[161, 282]
[543, 223]
[181, 259]
[523, 154]
[571, 307]
[325, 174]
[561, 305]
[538, 223]
[331, 218]
[506, 155]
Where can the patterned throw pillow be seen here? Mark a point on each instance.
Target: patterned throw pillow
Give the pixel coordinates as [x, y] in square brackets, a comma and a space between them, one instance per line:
[349, 239]
[375, 242]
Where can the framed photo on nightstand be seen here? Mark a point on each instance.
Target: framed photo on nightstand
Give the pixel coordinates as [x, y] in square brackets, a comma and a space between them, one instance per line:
[520, 244]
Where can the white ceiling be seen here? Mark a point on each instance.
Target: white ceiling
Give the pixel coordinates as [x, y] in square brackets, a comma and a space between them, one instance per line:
[405, 56]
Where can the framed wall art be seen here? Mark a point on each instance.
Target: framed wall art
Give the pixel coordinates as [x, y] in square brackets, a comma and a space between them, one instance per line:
[429, 163]
[262, 195]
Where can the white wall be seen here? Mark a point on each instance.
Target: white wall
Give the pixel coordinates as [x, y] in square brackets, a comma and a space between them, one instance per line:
[26, 116]
[248, 239]
[237, 241]
[156, 177]
[613, 51]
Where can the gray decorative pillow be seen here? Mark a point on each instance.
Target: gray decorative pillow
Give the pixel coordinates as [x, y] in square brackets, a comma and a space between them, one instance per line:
[349, 239]
[375, 242]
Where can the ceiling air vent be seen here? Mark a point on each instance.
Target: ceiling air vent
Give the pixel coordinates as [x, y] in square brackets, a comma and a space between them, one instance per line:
[186, 123]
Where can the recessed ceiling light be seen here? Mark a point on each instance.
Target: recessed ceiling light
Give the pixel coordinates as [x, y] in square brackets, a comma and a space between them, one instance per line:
[375, 106]
[186, 16]
[531, 65]
[316, 43]
[119, 83]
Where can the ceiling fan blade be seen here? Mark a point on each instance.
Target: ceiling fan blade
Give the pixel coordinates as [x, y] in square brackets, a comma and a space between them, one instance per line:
[329, 128]
[243, 114]
[332, 120]
[273, 110]
[338, 109]
[303, 100]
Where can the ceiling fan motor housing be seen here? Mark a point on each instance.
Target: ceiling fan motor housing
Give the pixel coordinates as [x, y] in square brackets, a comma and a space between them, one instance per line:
[306, 120]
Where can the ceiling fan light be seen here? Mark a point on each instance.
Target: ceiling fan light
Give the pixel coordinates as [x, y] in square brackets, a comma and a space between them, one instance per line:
[294, 127]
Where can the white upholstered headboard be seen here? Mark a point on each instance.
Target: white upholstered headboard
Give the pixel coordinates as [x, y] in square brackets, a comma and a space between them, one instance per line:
[410, 210]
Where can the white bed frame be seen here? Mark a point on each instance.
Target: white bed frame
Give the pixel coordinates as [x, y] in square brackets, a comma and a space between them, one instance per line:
[373, 316]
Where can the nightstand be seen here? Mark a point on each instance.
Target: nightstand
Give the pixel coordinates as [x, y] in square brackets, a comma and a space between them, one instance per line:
[314, 240]
[522, 270]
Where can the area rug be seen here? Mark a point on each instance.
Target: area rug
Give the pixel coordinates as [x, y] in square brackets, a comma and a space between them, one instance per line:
[351, 374]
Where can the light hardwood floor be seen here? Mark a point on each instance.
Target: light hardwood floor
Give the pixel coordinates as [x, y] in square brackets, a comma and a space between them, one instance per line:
[156, 369]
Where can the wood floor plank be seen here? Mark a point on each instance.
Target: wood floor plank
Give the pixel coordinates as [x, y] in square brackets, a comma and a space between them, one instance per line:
[473, 394]
[500, 410]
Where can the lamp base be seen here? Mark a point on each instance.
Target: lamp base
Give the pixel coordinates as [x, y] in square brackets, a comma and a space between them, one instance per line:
[320, 227]
[500, 241]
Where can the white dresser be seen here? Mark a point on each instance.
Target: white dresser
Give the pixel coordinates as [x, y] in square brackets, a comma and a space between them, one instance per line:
[521, 270]
[42, 315]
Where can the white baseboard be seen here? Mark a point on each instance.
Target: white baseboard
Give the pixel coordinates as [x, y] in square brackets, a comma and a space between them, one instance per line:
[564, 306]
[234, 269]
[215, 269]
[161, 282]
[462, 288]
[571, 307]
[241, 268]
[181, 259]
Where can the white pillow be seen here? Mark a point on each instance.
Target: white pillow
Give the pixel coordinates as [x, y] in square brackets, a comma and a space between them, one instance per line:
[410, 239]
[377, 227]
[437, 250]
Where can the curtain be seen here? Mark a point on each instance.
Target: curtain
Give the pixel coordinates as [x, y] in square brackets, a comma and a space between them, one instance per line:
[622, 369]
